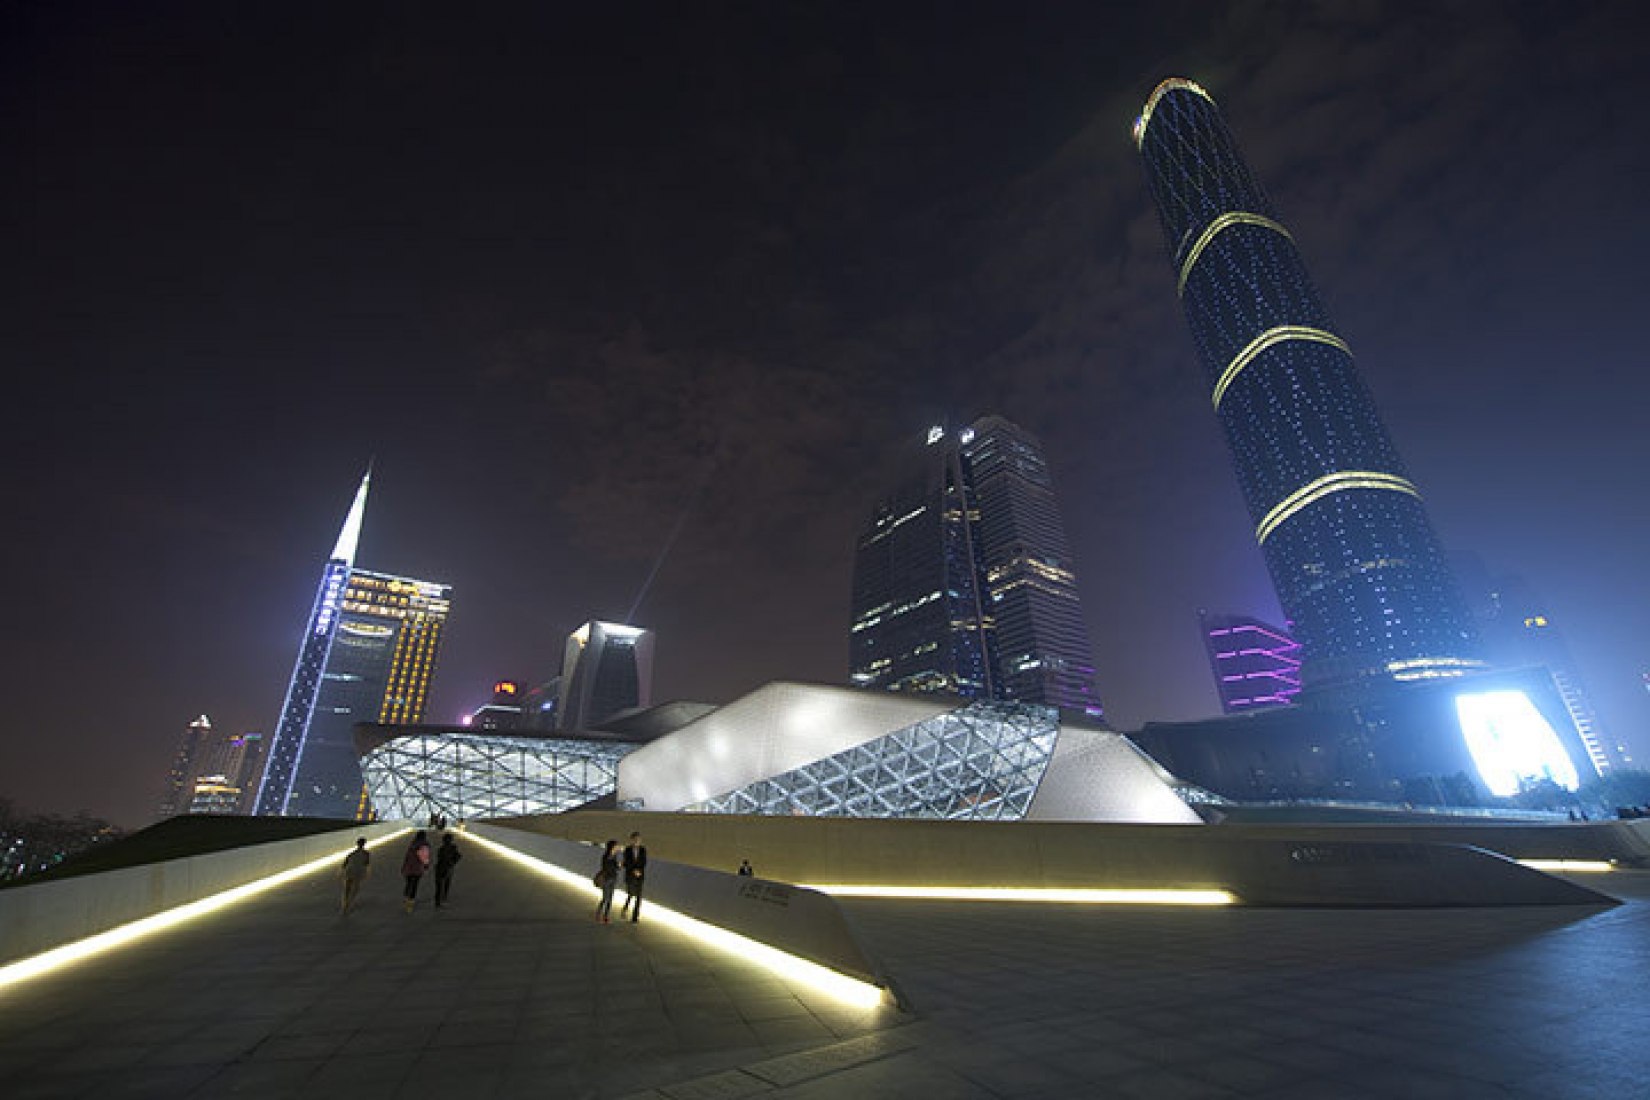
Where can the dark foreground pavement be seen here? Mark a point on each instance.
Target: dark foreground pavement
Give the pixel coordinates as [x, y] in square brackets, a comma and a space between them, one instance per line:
[514, 991]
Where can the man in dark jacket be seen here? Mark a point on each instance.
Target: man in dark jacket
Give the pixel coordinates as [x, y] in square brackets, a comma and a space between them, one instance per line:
[635, 870]
[446, 858]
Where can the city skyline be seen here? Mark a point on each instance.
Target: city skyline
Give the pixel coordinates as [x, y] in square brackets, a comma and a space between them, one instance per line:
[258, 253]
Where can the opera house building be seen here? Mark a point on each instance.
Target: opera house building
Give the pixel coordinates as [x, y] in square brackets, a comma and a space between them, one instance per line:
[787, 749]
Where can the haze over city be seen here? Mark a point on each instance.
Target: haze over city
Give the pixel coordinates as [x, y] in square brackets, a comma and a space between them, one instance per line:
[570, 280]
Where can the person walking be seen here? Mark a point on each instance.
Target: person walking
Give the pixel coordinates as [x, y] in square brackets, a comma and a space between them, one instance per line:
[635, 871]
[446, 858]
[745, 869]
[607, 878]
[357, 868]
[413, 866]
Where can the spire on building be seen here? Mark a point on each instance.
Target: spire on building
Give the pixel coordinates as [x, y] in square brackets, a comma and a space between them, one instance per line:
[350, 537]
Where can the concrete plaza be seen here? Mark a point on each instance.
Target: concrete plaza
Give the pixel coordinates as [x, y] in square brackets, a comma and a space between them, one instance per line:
[514, 991]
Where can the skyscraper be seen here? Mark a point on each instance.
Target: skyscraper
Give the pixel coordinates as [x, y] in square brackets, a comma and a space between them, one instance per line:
[607, 668]
[191, 754]
[1255, 664]
[224, 782]
[1346, 538]
[368, 655]
[963, 581]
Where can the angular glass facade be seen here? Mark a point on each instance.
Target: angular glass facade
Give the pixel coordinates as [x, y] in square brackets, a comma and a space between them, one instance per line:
[980, 763]
[470, 776]
[1357, 567]
[963, 581]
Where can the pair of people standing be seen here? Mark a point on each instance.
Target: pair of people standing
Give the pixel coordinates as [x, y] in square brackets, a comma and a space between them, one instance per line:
[417, 862]
[633, 861]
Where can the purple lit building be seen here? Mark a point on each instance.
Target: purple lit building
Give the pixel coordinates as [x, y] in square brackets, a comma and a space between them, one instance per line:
[1255, 663]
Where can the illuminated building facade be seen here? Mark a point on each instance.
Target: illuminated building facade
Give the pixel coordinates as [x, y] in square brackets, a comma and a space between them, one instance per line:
[193, 748]
[1519, 630]
[964, 583]
[1461, 741]
[226, 780]
[1255, 664]
[412, 773]
[801, 749]
[786, 748]
[1357, 567]
[369, 653]
[607, 668]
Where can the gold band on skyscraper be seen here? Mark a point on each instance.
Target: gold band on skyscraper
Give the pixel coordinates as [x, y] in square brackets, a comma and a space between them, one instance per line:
[1267, 339]
[1329, 484]
[1158, 93]
[1225, 221]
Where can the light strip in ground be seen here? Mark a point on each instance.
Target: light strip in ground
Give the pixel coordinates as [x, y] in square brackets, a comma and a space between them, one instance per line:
[839, 986]
[47, 961]
[1082, 896]
[1570, 866]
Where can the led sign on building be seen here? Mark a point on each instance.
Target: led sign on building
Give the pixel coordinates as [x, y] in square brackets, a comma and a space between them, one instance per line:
[1511, 743]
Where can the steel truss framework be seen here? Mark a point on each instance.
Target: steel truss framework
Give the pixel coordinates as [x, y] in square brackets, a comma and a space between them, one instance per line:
[980, 763]
[476, 776]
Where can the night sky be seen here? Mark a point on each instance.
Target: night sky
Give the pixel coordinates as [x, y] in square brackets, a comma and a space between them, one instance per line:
[568, 275]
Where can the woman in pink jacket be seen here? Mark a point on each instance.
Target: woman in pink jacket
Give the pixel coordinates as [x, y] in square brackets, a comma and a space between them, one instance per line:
[413, 866]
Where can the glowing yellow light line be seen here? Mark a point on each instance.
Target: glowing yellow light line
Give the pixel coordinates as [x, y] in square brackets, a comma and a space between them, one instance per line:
[46, 961]
[839, 986]
[1083, 896]
[1270, 338]
[1573, 866]
[1329, 484]
[1225, 221]
[1158, 93]
[1314, 486]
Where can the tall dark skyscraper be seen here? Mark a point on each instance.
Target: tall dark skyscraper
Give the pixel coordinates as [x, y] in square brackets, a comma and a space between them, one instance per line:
[1357, 566]
[368, 655]
[963, 581]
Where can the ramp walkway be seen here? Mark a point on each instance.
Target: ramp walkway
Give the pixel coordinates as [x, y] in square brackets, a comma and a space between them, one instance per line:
[510, 990]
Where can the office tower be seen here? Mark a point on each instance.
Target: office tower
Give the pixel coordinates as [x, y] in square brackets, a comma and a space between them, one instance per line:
[225, 780]
[920, 615]
[368, 655]
[963, 581]
[1346, 538]
[502, 712]
[191, 753]
[244, 765]
[1255, 664]
[608, 668]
